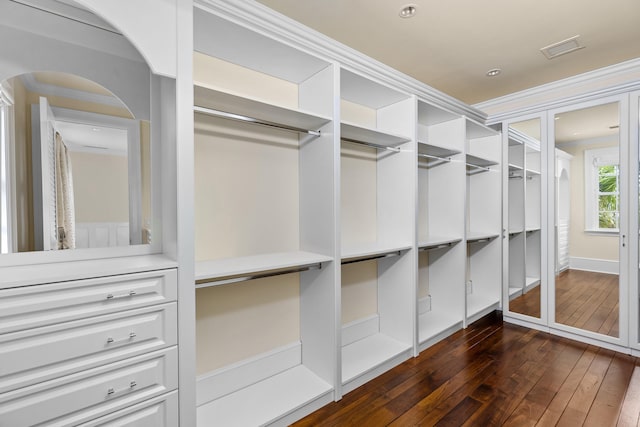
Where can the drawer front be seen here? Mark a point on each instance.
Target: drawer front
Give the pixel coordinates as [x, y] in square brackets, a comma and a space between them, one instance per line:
[158, 412]
[87, 395]
[47, 352]
[39, 305]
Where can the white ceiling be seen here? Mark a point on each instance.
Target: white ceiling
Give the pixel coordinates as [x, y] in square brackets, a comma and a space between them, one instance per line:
[450, 45]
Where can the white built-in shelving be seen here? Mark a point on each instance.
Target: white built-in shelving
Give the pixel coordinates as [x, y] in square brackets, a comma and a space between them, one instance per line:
[441, 223]
[484, 226]
[377, 155]
[524, 213]
[265, 222]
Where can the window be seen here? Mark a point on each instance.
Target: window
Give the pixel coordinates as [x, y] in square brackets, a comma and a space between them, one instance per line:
[602, 189]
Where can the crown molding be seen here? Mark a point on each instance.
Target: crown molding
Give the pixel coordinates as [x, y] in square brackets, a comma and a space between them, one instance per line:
[608, 81]
[259, 18]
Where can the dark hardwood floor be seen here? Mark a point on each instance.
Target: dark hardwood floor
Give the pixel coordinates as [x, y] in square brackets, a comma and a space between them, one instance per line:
[494, 374]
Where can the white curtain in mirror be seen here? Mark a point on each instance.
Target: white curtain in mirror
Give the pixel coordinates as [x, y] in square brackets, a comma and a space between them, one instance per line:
[65, 216]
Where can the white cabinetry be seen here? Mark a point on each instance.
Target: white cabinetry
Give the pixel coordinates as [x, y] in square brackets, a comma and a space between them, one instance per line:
[484, 220]
[524, 217]
[377, 175]
[78, 350]
[441, 223]
[265, 226]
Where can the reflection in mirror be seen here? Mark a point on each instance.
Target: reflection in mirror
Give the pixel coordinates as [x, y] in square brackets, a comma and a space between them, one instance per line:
[524, 218]
[74, 158]
[587, 193]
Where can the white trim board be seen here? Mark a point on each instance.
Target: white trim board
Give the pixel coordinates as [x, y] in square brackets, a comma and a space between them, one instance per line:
[360, 329]
[231, 378]
[595, 265]
[615, 79]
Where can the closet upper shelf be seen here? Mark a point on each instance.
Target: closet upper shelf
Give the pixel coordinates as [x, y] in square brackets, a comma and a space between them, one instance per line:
[233, 107]
[228, 270]
[358, 134]
[475, 163]
[367, 251]
[436, 242]
[435, 152]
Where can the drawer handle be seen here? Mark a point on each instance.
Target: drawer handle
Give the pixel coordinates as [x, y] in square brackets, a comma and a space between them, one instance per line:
[112, 391]
[131, 336]
[130, 294]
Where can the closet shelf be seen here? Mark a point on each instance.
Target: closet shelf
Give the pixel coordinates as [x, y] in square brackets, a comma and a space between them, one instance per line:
[532, 228]
[515, 231]
[514, 292]
[514, 167]
[436, 153]
[532, 172]
[480, 303]
[371, 137]
[438, 242]
[221, 104]
[230, 270]
[269, 400]
[477, 237]
[370, 251]
[531, 282]
[478, 164]
[436, 322]
[365, 355]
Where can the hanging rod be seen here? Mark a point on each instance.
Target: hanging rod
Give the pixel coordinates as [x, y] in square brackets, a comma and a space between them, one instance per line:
[371, 144]
[202, 283]
[482, 168]
[372, 257]
[429, 156]
[442, 246]
[252, 120]
[515, 176]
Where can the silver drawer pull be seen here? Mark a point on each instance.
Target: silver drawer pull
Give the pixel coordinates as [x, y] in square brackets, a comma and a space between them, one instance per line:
[130, 294]
[112, 391]
[131, 336]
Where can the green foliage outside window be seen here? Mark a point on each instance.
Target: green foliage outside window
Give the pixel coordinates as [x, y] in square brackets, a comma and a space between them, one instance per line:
[608, 196]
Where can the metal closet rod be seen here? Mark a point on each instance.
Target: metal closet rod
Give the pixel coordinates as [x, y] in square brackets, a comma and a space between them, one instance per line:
[429, 156]
[252, 120]
[372, 257]
[371, 144]
[442, 246]
[201, 283]
[483, 168]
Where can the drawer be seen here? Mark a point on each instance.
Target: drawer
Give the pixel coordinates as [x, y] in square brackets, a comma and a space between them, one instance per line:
[90, 394]
[159, 412]
[40, 354]
[32, 306]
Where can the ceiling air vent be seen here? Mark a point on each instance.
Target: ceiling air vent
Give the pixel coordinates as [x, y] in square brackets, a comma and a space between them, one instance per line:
[561, 48]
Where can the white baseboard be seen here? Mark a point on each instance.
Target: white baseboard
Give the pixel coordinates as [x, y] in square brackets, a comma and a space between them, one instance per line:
[360, 329]
[231, 378]
[595, 265]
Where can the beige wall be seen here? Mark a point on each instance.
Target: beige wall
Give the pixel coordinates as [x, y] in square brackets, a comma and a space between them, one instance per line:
[246, 203]
[101, 187]
[582, 244]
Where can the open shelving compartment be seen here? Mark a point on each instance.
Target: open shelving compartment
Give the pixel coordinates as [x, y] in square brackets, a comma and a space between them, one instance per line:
[532, 206]
[377, 169]
[265, 227]
[484, 207]
[516, 216]
[441, 223]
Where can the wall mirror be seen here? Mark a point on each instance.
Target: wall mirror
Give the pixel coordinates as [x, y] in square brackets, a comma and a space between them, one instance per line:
[524, 218]
[589, 230]
[75, 132]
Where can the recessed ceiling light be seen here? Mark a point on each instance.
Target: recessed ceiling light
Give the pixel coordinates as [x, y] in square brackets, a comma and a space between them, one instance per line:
[408, 11]
[494, 72]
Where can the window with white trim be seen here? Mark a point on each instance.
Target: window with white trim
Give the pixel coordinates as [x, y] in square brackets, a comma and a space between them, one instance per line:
[602, 189]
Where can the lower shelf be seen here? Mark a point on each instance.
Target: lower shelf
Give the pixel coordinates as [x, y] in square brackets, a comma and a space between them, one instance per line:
[435, 323]
[267, 401]
[531, 282]
[514, 292]
[368, 356]
[479, 305]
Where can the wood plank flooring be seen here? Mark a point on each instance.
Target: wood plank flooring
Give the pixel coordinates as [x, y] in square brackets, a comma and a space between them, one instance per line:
[495, 374]
[584, 299]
